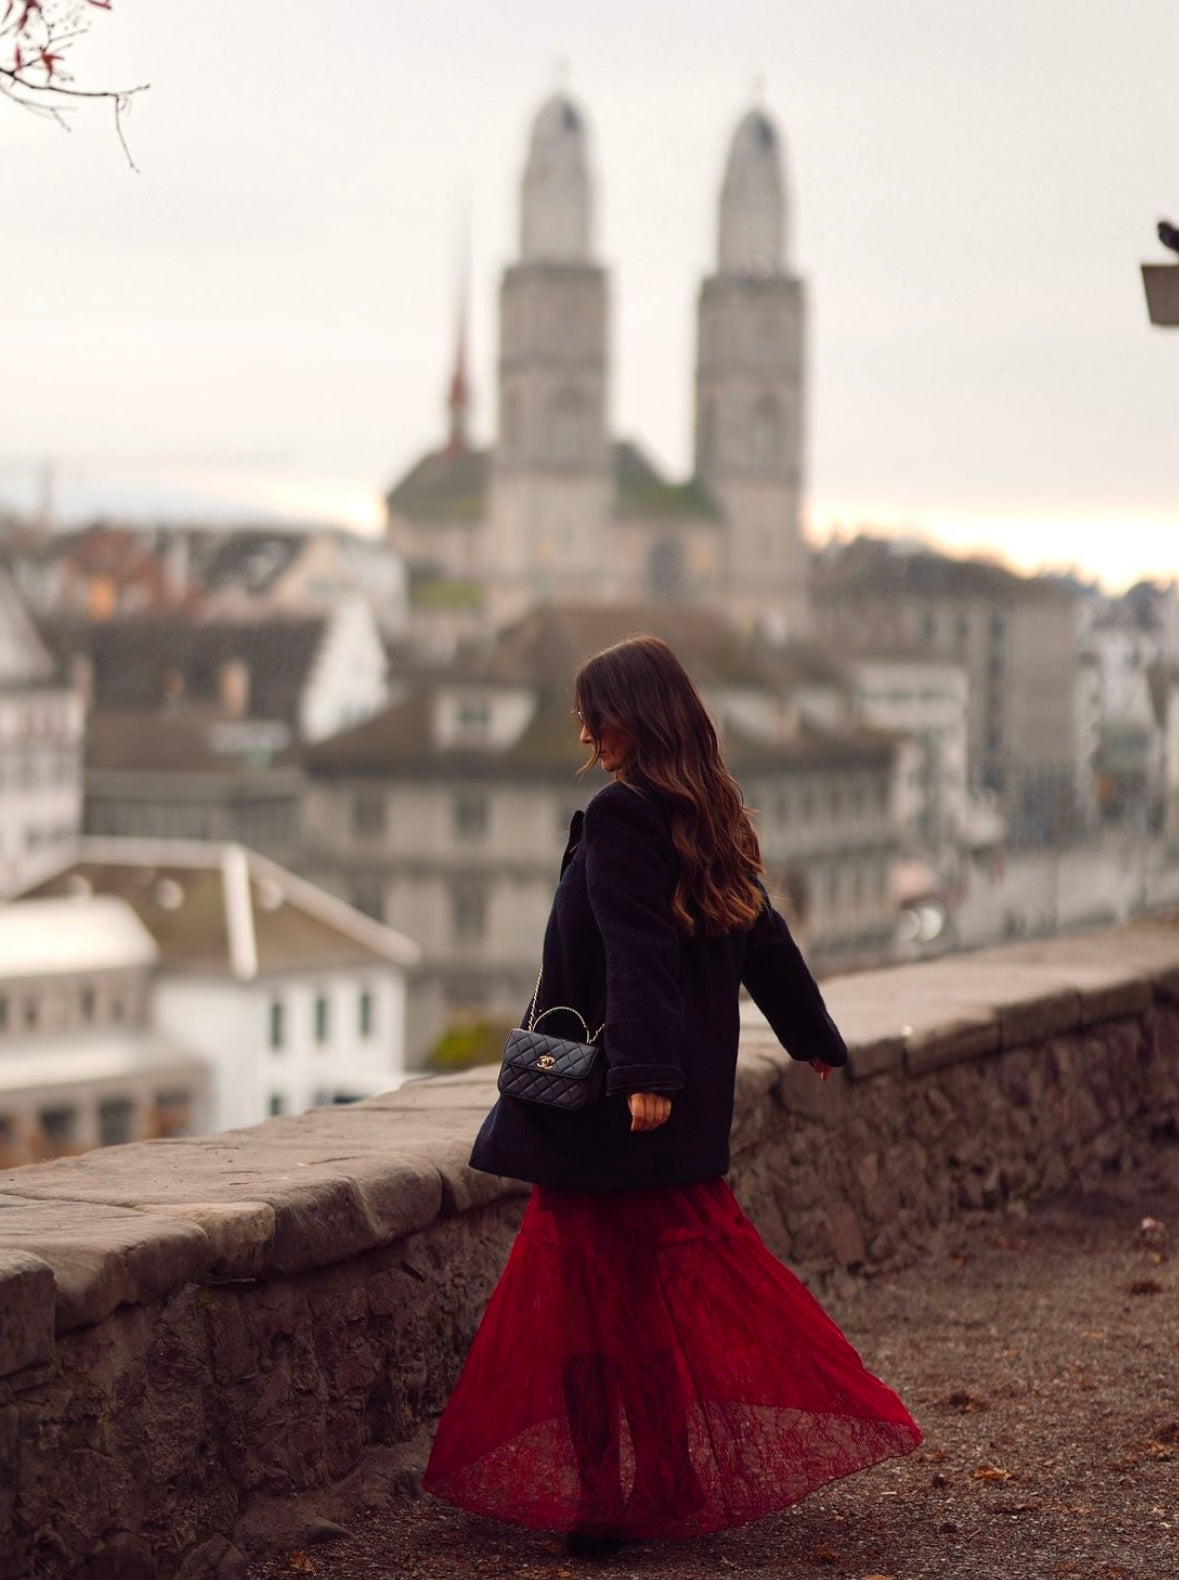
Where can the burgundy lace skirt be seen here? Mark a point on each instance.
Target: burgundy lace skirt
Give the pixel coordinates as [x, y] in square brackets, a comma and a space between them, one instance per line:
[646, 1368]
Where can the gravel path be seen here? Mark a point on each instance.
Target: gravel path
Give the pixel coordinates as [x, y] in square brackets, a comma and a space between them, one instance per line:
[1042, 1361]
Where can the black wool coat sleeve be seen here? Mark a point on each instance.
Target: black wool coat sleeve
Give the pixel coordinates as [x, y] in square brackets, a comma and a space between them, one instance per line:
[668, 1003]
[780, 984]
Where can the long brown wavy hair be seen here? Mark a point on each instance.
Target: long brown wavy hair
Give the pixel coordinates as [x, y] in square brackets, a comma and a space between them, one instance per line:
[640, 688]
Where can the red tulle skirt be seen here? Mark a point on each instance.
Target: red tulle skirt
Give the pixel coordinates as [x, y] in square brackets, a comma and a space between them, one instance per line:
[646, 1368]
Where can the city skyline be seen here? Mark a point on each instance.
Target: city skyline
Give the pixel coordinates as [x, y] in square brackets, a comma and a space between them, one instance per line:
[265, 318]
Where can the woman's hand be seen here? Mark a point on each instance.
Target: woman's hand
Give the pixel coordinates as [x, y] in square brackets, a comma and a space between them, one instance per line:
[821, 1070]
[648, 1110]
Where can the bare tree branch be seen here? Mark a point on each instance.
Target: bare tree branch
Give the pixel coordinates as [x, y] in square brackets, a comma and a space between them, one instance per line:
[34, 38]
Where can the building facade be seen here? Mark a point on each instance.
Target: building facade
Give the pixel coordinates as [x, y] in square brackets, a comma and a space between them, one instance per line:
[1018, 639]
[41, 733]
[447, 814]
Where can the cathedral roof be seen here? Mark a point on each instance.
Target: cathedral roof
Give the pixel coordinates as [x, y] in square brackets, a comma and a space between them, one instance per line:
[445, 485]
[645, 493]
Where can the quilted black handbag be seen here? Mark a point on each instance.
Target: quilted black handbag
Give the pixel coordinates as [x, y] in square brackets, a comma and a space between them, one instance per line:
[538, 1068]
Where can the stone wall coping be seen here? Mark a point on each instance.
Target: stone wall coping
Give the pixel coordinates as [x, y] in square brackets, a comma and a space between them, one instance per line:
[82, 1235]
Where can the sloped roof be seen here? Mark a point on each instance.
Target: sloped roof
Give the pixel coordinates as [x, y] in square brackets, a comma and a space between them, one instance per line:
[248, 558]
[58, 934]
[133, 658]
[540, 652]
[227, 910]
[194, 740]
[644, 493]
[810, 748]
[874, 567]
[451, 486]
[445, 485]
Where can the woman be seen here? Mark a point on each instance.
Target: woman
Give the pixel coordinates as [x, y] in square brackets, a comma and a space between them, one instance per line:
[645, 1368]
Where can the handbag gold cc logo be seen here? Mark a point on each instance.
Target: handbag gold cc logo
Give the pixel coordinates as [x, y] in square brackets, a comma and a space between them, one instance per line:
[545, 1062]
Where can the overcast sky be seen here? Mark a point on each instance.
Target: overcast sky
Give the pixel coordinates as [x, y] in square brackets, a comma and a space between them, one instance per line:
[262, 318]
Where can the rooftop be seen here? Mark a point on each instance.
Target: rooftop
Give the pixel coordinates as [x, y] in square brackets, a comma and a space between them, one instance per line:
[225, 909]
[874, 567]
[63, 934]
[192, 740]
[138, 662]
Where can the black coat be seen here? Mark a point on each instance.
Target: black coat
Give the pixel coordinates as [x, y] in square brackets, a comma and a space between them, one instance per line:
[668, 1003]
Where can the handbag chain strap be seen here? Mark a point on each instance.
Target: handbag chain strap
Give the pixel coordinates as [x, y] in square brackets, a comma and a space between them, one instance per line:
[534, 1019]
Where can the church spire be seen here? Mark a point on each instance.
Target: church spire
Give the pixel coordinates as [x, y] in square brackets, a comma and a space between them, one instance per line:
[556, 209]
[458, 394]
[752, 231]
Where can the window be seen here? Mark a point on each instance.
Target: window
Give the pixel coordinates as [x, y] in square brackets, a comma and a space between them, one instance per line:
[277, 1023]
[474, 715]
[86, 1004]
[470, 815]
[173, 1112]
[57, 1126]
[365, 1008]
[277, 1104]
[368, 812]
[321, 1017]
[115, 1121]
[468, 911]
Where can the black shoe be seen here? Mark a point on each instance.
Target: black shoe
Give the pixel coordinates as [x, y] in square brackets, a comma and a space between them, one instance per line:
[578, 1544]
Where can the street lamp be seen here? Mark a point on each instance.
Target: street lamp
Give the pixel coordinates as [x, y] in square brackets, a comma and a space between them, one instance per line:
[1161, 282]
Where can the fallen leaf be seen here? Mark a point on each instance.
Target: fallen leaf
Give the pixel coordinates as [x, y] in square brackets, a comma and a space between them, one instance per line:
[965, 1402]
[302, 1563]
[991, 1473]
[880, 1577]
[822, 1554]
[1159, 1450]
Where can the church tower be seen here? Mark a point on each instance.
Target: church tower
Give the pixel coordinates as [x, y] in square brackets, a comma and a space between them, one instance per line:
[552, 477]
[750, 385]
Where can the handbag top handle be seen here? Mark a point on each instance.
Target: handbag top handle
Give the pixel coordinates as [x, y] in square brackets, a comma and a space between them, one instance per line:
[534, 1019]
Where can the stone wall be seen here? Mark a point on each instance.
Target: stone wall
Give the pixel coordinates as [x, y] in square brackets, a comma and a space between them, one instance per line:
[209, 1343]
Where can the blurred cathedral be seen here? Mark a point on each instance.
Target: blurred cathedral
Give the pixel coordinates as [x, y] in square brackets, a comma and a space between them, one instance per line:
[558, 508]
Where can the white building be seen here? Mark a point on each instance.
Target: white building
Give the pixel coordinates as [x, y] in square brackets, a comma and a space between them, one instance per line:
[289, 997]
[82, 1063]
[41, 727]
